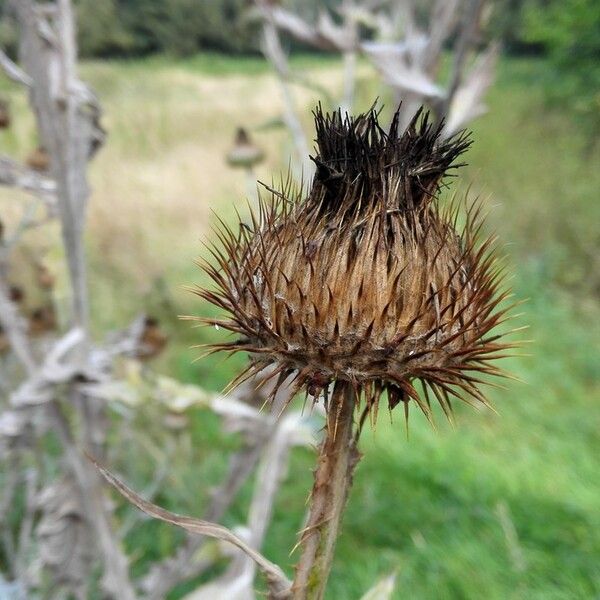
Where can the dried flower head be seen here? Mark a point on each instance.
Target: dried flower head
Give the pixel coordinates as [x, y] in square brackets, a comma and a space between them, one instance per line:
[245, 153]
[39, 160]
[366, 279]
[4, 114]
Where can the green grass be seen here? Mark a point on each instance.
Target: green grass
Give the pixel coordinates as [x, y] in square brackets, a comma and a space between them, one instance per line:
[504, 506]
[211, 63]
[430, 507]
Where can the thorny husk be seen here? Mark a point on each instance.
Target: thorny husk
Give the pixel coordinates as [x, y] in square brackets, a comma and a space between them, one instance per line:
[366, 280]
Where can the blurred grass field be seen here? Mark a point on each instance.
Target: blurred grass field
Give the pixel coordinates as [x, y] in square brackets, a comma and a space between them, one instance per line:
[503, 506]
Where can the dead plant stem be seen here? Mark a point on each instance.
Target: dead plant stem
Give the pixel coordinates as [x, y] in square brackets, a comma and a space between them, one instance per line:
[338, 456]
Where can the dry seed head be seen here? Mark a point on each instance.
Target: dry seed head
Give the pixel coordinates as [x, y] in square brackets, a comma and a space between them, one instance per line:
[365, 279]
[39, 160]
[4, 114]
[244, 153]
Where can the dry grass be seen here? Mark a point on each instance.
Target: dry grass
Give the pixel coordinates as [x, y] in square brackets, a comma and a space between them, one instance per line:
[163, 170]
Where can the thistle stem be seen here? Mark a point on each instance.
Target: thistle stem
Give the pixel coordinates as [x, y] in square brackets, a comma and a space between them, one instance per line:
[338, 456]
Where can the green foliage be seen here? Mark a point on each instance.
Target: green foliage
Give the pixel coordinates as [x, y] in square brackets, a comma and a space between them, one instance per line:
[176, 27]
[180, 27]
[545, 193]
[101, 30]
[8, 29]
[506, 23]
[569, 30]
[183, 26]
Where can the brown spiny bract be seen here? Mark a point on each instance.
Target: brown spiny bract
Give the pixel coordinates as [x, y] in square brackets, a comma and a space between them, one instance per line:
[365, 279]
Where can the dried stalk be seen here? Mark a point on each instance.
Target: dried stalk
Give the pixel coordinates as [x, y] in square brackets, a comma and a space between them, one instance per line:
[14, 174]
[274, 53]
[337, 460]
[406, 56]
[15, 329]
[67, 116]
[261, 435]
[466, 39]
[350, 60]
[165, 575]
[31, 477]
[64, 110]
[116, 580]
[237, 582]
[13, 71]
[350, 57]
[277, 582]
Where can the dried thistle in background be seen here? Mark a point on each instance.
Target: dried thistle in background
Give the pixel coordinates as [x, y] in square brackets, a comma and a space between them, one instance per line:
[45, 277]
[362, 287]
[244, 153]
[39, 160]
[4, 114]
[4, 343]
[152, 340]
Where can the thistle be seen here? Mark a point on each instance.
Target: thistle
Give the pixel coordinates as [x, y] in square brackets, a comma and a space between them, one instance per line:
[245, 153]
[4, 114]
[359, 290]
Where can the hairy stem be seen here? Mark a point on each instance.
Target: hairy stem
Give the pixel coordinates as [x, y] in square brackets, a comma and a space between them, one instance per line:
[338, 457]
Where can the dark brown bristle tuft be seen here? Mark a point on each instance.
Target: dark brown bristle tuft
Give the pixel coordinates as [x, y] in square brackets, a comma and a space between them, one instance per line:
[357, 158]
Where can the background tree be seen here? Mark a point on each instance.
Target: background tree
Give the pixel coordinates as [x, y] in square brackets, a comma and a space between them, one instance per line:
[569, 32]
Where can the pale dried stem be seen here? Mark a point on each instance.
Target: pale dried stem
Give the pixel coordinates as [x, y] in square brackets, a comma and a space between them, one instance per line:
[168, 573]
[350, 61]
[413, 73]
[15, 328]
[116, 580]
[338, 457]
[275, 54]
[464, 43]
[67, 116]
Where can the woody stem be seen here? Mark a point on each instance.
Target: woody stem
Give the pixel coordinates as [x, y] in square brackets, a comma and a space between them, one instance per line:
[338, 456]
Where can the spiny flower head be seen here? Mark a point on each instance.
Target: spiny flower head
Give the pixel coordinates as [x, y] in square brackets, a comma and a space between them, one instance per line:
[365, 279]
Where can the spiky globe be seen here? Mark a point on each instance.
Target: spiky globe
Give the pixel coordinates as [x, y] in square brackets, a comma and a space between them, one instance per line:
[365, 280]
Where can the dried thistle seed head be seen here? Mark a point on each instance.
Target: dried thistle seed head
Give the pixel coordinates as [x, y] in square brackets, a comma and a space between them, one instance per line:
[4, 114]
[366, 279]
[4, 343]
[39, 160]
[245, 153]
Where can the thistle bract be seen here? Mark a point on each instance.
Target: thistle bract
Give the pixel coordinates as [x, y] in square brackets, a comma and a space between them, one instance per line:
[365, 279]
